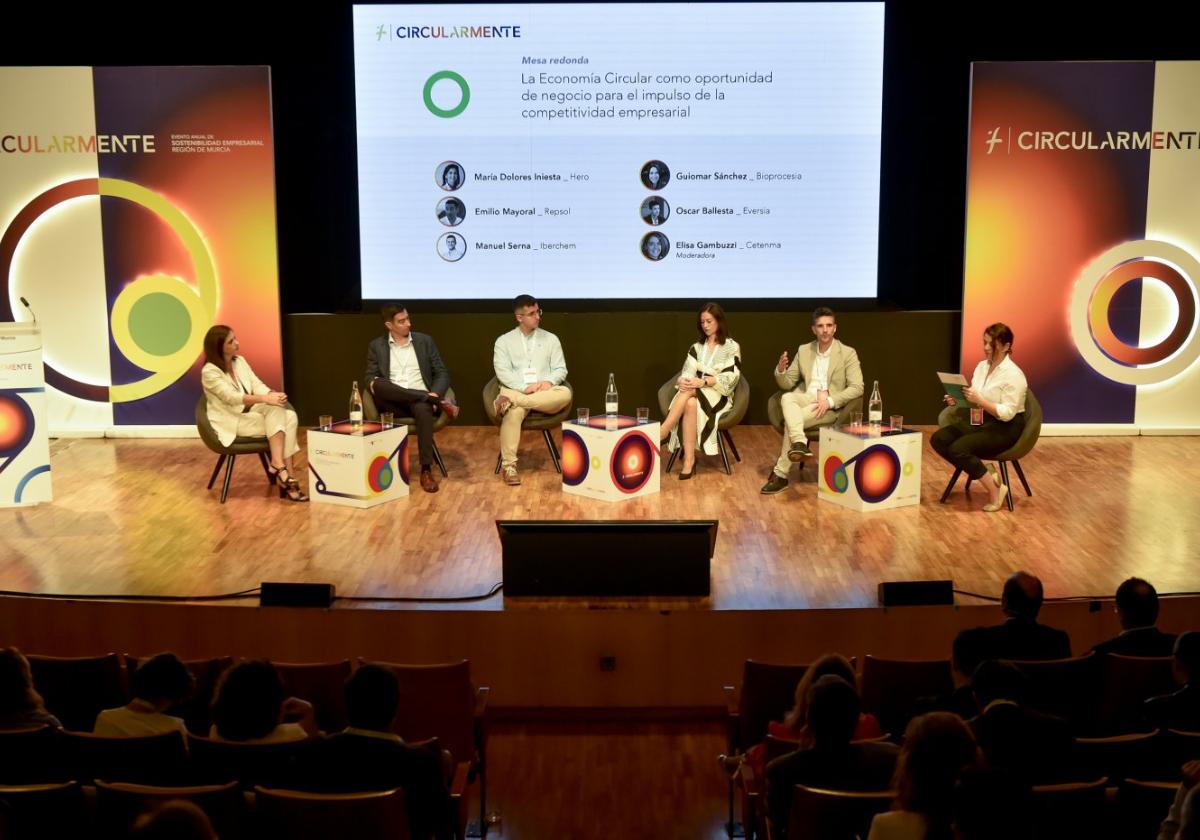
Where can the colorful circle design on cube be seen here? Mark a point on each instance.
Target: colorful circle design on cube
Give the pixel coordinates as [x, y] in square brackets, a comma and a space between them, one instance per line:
[876, 473]
[834, 472]
[633, 462]
[1090, 303]
[16, 425]
[380, 474]
[575, 460]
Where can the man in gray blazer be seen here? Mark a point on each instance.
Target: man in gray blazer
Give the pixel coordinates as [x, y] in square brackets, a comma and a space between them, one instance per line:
[406, 375]
[831, 376]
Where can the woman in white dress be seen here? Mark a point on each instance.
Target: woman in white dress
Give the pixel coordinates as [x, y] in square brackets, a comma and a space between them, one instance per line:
[239, 404]
[704, 390]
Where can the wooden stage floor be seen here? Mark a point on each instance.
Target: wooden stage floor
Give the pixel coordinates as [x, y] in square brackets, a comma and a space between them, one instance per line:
[132, 517]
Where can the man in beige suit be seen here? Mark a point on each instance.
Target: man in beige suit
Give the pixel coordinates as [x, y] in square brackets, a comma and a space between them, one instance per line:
[831, 377]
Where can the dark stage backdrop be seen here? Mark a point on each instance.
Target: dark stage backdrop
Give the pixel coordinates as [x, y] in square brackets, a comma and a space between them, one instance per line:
[903, 350]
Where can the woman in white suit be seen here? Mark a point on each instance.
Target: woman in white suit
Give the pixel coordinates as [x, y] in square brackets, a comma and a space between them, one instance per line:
[239, 404]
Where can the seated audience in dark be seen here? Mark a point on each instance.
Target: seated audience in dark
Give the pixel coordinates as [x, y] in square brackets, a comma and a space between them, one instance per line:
[938, 747]
[20, 704]
[1034, 747]
[794, 726]
[966, 652]
[1181, 709]
[159, 683]
[177, 819]
[250, 708]
[368, 755]
[1184, 808]
[833, 760]
[1020, 636]
[1137, 610]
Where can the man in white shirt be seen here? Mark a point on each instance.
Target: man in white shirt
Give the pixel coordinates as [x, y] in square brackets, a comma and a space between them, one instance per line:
[531, 369]
[831, 377]
[406, 375]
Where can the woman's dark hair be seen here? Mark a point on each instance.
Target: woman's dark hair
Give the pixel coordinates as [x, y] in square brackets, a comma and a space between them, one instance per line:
[1001, 333]
[214, 345]
[715, 310]
[17, 694]
[937, 748]
[248, 702]
[163, 677]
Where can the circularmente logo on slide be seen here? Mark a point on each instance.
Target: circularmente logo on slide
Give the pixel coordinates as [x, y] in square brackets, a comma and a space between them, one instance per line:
[463, 87]
[1099, 283]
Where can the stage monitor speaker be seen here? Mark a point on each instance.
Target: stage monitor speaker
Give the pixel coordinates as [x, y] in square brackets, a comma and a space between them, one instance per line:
[296, 595]
[915, 593]
[607, 558]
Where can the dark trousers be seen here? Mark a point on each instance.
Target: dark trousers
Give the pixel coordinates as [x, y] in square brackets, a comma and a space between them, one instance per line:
[964, 445]
[407, 402]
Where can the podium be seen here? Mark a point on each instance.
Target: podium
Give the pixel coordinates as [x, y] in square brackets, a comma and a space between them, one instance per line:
[612, 459]
[358, 469]
[864, 470]
[24, 443]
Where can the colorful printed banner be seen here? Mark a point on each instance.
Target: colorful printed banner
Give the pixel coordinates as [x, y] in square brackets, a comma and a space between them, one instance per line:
[1083, 235]
[137, 208]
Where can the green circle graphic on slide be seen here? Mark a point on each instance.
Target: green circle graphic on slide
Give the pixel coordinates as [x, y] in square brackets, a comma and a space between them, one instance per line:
[447, 113]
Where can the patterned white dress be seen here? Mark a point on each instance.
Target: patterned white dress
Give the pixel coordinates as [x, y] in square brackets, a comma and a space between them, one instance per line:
[712, 403]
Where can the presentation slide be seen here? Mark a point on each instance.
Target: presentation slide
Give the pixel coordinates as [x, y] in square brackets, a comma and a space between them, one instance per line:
[572, 151]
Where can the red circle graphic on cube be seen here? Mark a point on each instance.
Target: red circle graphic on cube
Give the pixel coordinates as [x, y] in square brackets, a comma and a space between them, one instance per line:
[574, 458]
[380, 474]
[835, 474]
[16, 424]
[633, 462]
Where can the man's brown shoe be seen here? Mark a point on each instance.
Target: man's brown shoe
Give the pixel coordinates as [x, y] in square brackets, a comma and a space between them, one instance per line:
[511, 477]
[501, 405]
[450, 407]
[428, 482]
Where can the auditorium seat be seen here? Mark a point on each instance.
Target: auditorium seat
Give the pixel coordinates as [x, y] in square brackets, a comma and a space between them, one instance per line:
[118, 804]
[835, 814]
[1121, 756]
[533, 421]
[1068, 688]
[1023, 446]
[30, 756]
[439, 701]
[725, 444]
[1126, 682]
[145, 759]
[37, 812]
[371, 412]
[77, 688]
[891, 688]
[767, 693]
[217, 762]
[294, 815]
[1075, 809]
[1141, 807]
[240, 446]
[321, 683]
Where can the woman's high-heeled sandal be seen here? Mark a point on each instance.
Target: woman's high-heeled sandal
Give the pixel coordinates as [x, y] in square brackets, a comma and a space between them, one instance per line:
[289, 488]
